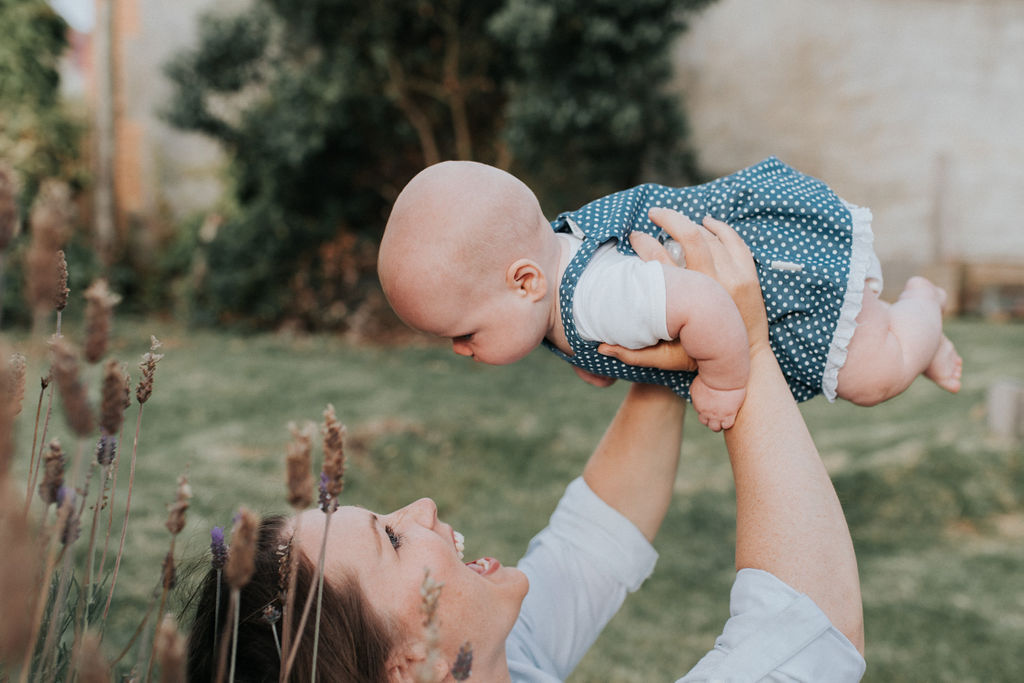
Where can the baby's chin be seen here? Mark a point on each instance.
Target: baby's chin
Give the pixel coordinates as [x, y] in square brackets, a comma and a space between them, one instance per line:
[503, 359]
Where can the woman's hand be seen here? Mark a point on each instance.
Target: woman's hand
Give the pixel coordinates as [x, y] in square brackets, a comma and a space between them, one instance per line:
[715, 250]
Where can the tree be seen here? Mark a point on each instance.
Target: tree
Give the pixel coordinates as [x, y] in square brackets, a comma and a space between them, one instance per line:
[37, 134]
[589, 112]
[39, 137]
[328, 107]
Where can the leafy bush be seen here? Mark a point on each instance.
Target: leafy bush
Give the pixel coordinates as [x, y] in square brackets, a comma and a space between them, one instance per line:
[327, 108]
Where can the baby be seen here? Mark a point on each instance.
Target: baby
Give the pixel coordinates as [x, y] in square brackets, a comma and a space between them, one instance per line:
[467, 254]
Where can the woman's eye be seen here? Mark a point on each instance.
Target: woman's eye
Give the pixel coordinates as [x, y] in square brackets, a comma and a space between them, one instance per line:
[395, 538]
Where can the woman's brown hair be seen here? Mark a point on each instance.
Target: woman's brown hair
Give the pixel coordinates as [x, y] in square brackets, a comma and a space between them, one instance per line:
[354, 641]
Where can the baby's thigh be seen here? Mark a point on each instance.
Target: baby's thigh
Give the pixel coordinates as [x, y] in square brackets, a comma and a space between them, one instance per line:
[872, 356]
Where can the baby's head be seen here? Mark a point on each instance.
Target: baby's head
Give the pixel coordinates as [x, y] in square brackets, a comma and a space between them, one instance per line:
[467, 254]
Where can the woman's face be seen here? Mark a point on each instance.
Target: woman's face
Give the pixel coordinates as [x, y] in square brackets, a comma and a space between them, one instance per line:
[388, 555]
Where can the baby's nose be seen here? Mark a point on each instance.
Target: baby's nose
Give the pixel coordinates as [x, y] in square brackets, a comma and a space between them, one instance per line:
[462, 348]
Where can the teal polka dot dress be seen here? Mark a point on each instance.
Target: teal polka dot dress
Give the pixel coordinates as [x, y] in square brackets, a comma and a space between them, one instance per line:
[812, 251]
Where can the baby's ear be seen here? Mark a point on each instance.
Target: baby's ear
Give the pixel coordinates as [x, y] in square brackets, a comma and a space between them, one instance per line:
[527, 278]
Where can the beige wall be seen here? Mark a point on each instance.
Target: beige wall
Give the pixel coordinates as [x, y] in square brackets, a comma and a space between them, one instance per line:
[914, 108]
[164, 169]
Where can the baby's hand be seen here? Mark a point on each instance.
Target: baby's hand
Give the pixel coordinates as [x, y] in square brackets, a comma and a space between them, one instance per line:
[716, 408]
[596, 380]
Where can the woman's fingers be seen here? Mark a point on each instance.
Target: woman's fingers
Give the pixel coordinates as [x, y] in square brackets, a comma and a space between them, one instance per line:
[649, 248]
[728, 237]
[695, 248]
[736, 272]
[667, 355]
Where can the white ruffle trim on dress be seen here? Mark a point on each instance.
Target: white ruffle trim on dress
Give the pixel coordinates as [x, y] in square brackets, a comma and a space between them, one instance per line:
[863, 264]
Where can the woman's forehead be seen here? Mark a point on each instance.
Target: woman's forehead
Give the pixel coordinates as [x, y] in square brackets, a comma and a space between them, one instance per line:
[349, 522]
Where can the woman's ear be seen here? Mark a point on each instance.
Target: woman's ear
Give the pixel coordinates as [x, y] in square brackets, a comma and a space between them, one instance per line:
[412, 663]
[526, 278]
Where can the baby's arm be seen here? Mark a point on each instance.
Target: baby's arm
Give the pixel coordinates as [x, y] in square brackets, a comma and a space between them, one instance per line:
[700, 313]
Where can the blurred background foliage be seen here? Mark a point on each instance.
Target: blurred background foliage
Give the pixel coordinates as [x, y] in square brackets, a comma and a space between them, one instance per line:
[40, 136]
[326, 108]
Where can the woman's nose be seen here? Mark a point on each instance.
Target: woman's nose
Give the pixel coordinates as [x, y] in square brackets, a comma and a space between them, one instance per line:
[424, 511]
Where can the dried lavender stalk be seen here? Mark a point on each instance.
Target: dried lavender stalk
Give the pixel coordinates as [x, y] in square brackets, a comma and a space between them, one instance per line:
[99, 307]
[148, 366]
[334, 458]
[218, 556]
[176, 510]
[238, 570]
[170, 650]
[90, 664]
[241, 557]
[430, 594]
[51, 223]
[60, 298]
[111, 420]
[67, 531]
[333, 477]
[66, 373]
[33, 467]
[299, 465]
[111, 410]
[288, 570]
[463, 665]
[53, 472]
[16, 370]
[18, 576]
[175, 523]
[111, 480]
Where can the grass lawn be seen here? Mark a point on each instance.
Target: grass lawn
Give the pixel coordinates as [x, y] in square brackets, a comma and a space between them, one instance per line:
[936, 504]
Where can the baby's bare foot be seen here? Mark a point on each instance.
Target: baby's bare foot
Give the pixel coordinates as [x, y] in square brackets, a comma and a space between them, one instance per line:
[918, 286]
[946, 366]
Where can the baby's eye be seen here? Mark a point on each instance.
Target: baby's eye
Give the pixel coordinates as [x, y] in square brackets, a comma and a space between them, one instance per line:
[395, 538]
[462, 339]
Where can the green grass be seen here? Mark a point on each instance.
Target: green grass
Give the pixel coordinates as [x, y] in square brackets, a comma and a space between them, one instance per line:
[936, 505]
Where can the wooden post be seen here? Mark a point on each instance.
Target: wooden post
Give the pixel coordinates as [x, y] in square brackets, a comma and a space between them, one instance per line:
[1006, 408]
[105, 201]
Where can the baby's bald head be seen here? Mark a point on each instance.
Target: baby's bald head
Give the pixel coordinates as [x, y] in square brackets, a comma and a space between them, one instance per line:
[457, 224]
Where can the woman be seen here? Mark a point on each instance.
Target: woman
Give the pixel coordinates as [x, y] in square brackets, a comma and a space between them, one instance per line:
[795, 604]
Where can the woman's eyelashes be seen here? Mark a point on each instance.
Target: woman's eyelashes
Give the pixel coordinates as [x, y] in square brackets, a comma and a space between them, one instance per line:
[395, 538]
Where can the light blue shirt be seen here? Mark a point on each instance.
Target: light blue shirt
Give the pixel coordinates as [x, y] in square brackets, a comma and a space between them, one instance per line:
[582, 565]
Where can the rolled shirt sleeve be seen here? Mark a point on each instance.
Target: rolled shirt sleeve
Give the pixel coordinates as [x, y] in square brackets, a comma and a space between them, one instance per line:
[580, 567]
[776, 634]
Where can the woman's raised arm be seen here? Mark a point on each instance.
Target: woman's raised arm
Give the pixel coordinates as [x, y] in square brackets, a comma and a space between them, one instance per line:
[788, 517]
[633, 468]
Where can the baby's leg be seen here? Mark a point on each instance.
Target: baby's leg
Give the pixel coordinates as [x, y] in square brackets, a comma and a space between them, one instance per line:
[894, 343]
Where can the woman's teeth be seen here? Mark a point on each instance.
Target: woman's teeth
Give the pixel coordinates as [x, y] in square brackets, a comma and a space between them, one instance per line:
[480, 566]
[460, 543]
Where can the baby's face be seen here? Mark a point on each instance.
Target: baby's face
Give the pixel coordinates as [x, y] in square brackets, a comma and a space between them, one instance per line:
[496, 329]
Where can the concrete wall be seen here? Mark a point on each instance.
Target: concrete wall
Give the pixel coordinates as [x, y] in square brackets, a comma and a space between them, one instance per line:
[914, 108]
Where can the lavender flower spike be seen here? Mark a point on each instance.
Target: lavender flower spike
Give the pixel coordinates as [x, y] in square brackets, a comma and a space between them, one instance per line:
[218, 549]
[325, 497]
